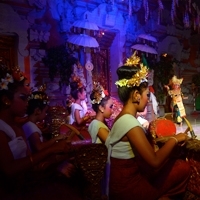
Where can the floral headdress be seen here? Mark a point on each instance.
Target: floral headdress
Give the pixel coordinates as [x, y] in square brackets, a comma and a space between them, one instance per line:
[137, 78]
[69, 101]
[175, 80]
[99, 93]
[40, 94]
[77, 80]
[16, 75]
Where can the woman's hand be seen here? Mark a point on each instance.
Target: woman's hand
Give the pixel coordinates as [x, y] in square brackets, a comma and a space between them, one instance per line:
[145, 125]
[167, 87]
[67, 168]
[181, 138]
[62, 146]
[60, 137]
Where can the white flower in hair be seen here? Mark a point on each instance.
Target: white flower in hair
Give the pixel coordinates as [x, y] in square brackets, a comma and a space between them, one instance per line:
[9, 78]
[3, 84]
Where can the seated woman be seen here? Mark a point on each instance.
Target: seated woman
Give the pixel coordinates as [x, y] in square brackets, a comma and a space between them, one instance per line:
[136, 170]
[79, 110]
[16, 158]
[38, 104]
[102, 104]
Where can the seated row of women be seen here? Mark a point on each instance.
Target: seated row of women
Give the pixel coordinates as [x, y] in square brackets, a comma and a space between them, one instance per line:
[22, 150]
[135, 170]
[99, 117]
[133, 165]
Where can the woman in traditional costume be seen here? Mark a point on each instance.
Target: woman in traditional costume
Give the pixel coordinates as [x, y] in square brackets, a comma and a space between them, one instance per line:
[79, 112]
[102, 104]
[177, 107]
[38, 106]
[136, 170]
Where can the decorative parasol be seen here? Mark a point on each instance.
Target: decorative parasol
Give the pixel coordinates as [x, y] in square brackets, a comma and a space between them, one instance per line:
[148, 37]
[144, 48]
[83, 40]
[86, 25]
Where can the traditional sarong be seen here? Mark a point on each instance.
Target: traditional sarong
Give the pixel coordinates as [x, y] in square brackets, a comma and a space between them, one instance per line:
[129, 181]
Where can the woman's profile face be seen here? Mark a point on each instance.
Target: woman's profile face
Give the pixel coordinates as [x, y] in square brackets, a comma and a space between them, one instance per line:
[82, 95]
[108, 108]
[19, 103]
[144, 99]
[44, 113]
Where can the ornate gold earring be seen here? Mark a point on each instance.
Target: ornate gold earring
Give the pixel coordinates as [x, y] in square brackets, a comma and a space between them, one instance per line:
[7, 103]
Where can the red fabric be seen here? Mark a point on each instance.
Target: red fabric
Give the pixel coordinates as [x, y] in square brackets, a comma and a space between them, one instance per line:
[151, 89]
[127, 181]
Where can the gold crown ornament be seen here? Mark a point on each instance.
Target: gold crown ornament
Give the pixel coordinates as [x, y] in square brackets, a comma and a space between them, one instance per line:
[99, 93]
[175, 81]
[77, 80]
[40, 94]
[133, 60]
[139, 77]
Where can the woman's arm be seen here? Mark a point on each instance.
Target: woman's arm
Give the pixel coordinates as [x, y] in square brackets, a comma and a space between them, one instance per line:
[38, 145]
[80, 120]
[138, 139]
[10, 167]
[103, 134]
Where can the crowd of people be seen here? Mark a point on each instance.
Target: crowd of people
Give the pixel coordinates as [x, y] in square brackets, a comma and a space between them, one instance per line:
[132, 167]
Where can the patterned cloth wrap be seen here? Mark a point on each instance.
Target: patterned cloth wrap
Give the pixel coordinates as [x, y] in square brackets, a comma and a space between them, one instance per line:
[163, 127]
[192, 151]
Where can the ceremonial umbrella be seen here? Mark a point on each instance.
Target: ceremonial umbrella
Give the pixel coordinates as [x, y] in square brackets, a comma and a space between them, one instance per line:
[83, 40]
[144, 48]
[86, 25]
[148, 37]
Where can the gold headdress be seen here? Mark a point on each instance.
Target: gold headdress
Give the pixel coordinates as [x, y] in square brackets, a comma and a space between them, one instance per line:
[99, 93]
[69, 101]
[175, 80]
[77, 80]
[16, 75]
[40, 94]
[137, 78]
[133, 60]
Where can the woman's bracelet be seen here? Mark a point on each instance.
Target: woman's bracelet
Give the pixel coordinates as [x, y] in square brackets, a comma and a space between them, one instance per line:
[86, 118]
[174, 139]
[55, 140]
[31, 159]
